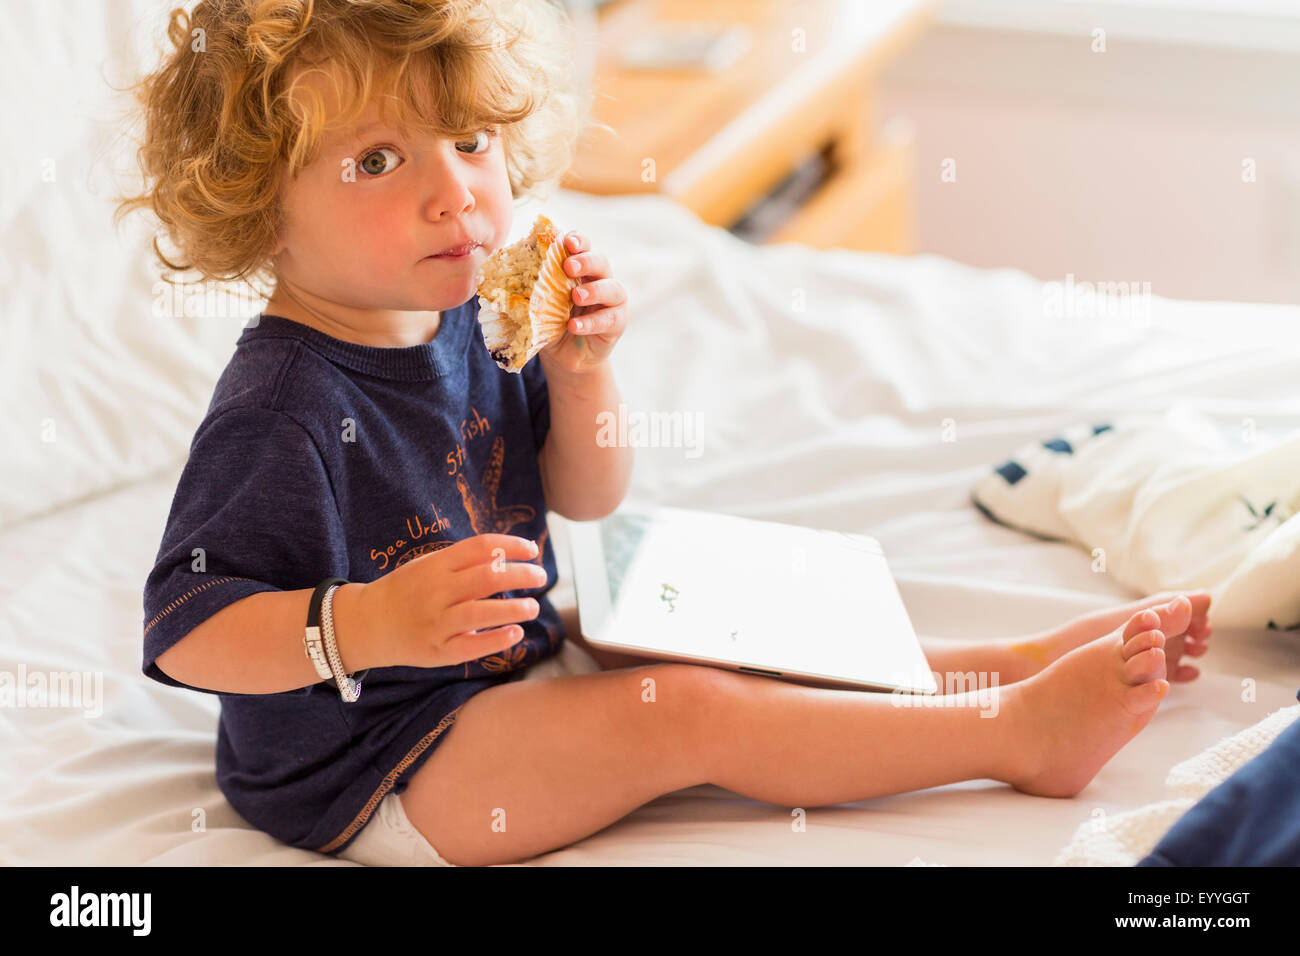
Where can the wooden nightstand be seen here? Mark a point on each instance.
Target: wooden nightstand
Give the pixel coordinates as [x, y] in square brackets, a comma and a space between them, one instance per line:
[795, 105]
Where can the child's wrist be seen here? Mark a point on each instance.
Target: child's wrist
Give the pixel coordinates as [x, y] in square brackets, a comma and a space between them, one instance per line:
[353, 633]
[560, 374]
[565, 382]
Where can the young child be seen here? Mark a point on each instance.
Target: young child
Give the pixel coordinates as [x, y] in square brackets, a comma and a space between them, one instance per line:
[362, 431]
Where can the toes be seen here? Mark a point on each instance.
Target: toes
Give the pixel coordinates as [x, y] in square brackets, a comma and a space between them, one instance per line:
[1174, 616]
[1143, 698]
[1200, 602]
[1145, 666]
[1185, 673]
[1143, 641]
[1139, 622]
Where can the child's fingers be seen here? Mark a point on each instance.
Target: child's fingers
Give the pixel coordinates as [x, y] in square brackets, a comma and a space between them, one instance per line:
[494, 577]
[480, 548]
[587, 264]
[478, 615]
[600, 292]
[600, 322]
[470, 645]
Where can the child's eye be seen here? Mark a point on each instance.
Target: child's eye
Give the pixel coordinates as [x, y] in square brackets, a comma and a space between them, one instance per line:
[377, 168]
[484, 135]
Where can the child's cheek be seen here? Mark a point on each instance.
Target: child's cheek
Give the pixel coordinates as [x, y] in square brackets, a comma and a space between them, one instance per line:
[373, 246]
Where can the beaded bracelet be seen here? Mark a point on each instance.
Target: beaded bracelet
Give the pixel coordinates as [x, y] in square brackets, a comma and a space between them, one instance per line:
[349, 689]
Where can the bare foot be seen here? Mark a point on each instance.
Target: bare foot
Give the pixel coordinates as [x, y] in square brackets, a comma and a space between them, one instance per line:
[1081, 709]
[1042, 649]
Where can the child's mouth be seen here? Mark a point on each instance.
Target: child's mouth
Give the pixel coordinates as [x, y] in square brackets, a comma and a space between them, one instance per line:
[457, 254]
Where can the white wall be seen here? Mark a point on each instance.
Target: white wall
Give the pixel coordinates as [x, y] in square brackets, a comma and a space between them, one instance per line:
[1123, 165]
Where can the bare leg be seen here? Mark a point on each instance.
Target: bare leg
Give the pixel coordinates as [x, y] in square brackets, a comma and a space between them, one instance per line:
[1192, 642]
[556, 760]
[1017, 658]
[1051, 734]
[587, 750]
[1011, 659]
[1096, 623]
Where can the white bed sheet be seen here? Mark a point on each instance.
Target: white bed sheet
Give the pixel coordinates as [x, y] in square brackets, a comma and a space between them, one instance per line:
[824, 380]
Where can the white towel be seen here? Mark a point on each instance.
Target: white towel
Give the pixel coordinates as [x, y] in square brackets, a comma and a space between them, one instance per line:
[1167, 504]
[1125, 838]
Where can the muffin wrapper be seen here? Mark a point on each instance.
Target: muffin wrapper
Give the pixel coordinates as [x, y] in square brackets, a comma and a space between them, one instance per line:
[549, 306]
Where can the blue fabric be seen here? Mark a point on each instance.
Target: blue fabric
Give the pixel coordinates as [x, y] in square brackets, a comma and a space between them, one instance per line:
[1012, 472]
[321, 458]
[1251, 819]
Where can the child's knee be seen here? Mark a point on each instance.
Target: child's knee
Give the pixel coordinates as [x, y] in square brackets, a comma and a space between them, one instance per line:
[683, 681]
[685, 694]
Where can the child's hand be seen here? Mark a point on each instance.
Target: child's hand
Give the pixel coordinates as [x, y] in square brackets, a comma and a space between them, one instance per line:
[599, 315]
[422, 613]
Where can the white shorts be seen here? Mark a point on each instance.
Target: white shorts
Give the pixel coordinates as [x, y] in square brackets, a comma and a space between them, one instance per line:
[390, 839]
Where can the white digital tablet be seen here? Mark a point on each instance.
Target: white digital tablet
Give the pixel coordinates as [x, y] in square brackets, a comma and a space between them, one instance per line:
[784, 601]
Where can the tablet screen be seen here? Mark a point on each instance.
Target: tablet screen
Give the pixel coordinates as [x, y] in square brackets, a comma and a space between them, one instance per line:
[720, 589]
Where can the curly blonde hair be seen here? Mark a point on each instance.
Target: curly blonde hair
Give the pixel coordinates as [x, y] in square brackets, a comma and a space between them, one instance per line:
[225, 128]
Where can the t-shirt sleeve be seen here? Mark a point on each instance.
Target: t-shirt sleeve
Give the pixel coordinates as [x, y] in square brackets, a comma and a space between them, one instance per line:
[254, 511]
[539, 400]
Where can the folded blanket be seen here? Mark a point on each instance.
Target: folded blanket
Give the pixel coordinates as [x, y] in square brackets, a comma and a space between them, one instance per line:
[1123, 839]
[1167, 504]
[1251, 819]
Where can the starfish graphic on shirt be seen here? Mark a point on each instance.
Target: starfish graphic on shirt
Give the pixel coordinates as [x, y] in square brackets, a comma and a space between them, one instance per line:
[488, 516]
[485, 515]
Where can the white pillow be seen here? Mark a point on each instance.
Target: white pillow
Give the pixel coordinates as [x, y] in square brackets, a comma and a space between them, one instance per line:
[106, 371]
[98, 389]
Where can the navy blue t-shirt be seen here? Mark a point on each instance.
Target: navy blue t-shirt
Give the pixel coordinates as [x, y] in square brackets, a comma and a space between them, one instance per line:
[320, 458]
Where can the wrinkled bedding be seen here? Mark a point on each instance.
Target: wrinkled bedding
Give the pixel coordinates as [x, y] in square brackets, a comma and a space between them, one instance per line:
[835, 389]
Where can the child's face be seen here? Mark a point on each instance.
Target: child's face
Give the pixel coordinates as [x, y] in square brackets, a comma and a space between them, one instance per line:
[362, 220]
